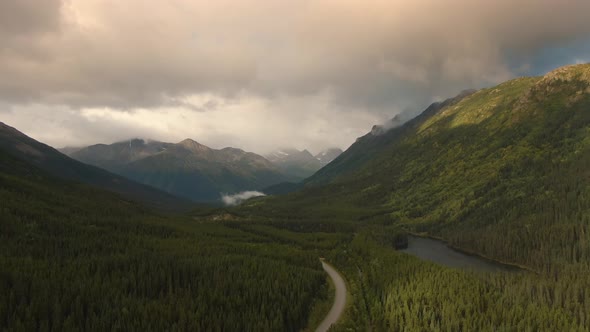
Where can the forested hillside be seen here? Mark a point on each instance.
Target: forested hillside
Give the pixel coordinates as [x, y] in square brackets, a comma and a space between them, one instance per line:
[22, 147]
[502, 171]
[76, 258]
[393, 291]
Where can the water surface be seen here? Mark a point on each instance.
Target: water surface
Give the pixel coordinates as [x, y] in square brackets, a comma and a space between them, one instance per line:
[438, 252]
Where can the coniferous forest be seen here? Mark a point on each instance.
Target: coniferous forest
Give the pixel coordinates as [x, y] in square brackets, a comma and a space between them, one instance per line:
[74, 258]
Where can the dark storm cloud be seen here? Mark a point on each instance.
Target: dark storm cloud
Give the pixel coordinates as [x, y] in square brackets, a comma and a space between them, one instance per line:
[26, 17]
[372, 53]
[375, 57]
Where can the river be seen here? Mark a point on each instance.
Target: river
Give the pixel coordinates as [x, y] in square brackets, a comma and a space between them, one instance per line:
[438, 252]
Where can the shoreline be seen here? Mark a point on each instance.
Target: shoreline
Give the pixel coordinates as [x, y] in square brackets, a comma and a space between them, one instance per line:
[473, 253]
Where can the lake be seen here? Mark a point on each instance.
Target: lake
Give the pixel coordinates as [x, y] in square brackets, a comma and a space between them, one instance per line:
[438, 252]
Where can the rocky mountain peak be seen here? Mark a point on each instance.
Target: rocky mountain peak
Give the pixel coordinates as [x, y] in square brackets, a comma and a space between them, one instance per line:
[193, 146]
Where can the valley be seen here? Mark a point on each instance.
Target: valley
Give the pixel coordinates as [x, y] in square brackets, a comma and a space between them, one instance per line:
[500, 172]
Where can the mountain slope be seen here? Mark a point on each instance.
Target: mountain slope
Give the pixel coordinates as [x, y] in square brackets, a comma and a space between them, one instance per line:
[20, 146]
[504, 171]
[294, 163]
[375, 142]
[115, 156]
[298, 165]
[327, 156]
[187, 169]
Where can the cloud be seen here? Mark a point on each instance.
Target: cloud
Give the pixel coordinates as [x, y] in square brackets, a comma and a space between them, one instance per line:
[133, 54]
[252, 124]
[236, 199]
[374, 58]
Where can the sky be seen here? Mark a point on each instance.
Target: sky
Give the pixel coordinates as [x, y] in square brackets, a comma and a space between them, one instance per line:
[263, 74]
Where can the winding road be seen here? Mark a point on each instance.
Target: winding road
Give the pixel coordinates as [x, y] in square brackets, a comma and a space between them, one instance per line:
[339, 300]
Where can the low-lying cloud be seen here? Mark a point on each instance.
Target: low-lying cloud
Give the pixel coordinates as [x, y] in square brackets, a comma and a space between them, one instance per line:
[236, 199]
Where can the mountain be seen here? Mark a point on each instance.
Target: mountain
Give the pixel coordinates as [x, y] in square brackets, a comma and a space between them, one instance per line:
[187, 169]
[115, 156]
[504, 171]
[294, 163]
[327, 156]
[301, 164]
[376, 141]
[68, 150]
[46, 158]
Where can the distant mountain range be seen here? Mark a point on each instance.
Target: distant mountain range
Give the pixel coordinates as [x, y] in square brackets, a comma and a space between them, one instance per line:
[21, 147]
[166, 175]
[187, 169]
[301, 164]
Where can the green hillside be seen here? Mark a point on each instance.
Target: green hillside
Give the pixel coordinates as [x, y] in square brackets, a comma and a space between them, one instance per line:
[19, 146]
[77, 258]
[499, 171]
[369, 147]
[503, 172]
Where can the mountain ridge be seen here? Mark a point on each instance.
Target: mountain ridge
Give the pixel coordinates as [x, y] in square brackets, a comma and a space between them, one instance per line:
[50, 160]
[365, 147]
[301, 164]
[187, 169]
